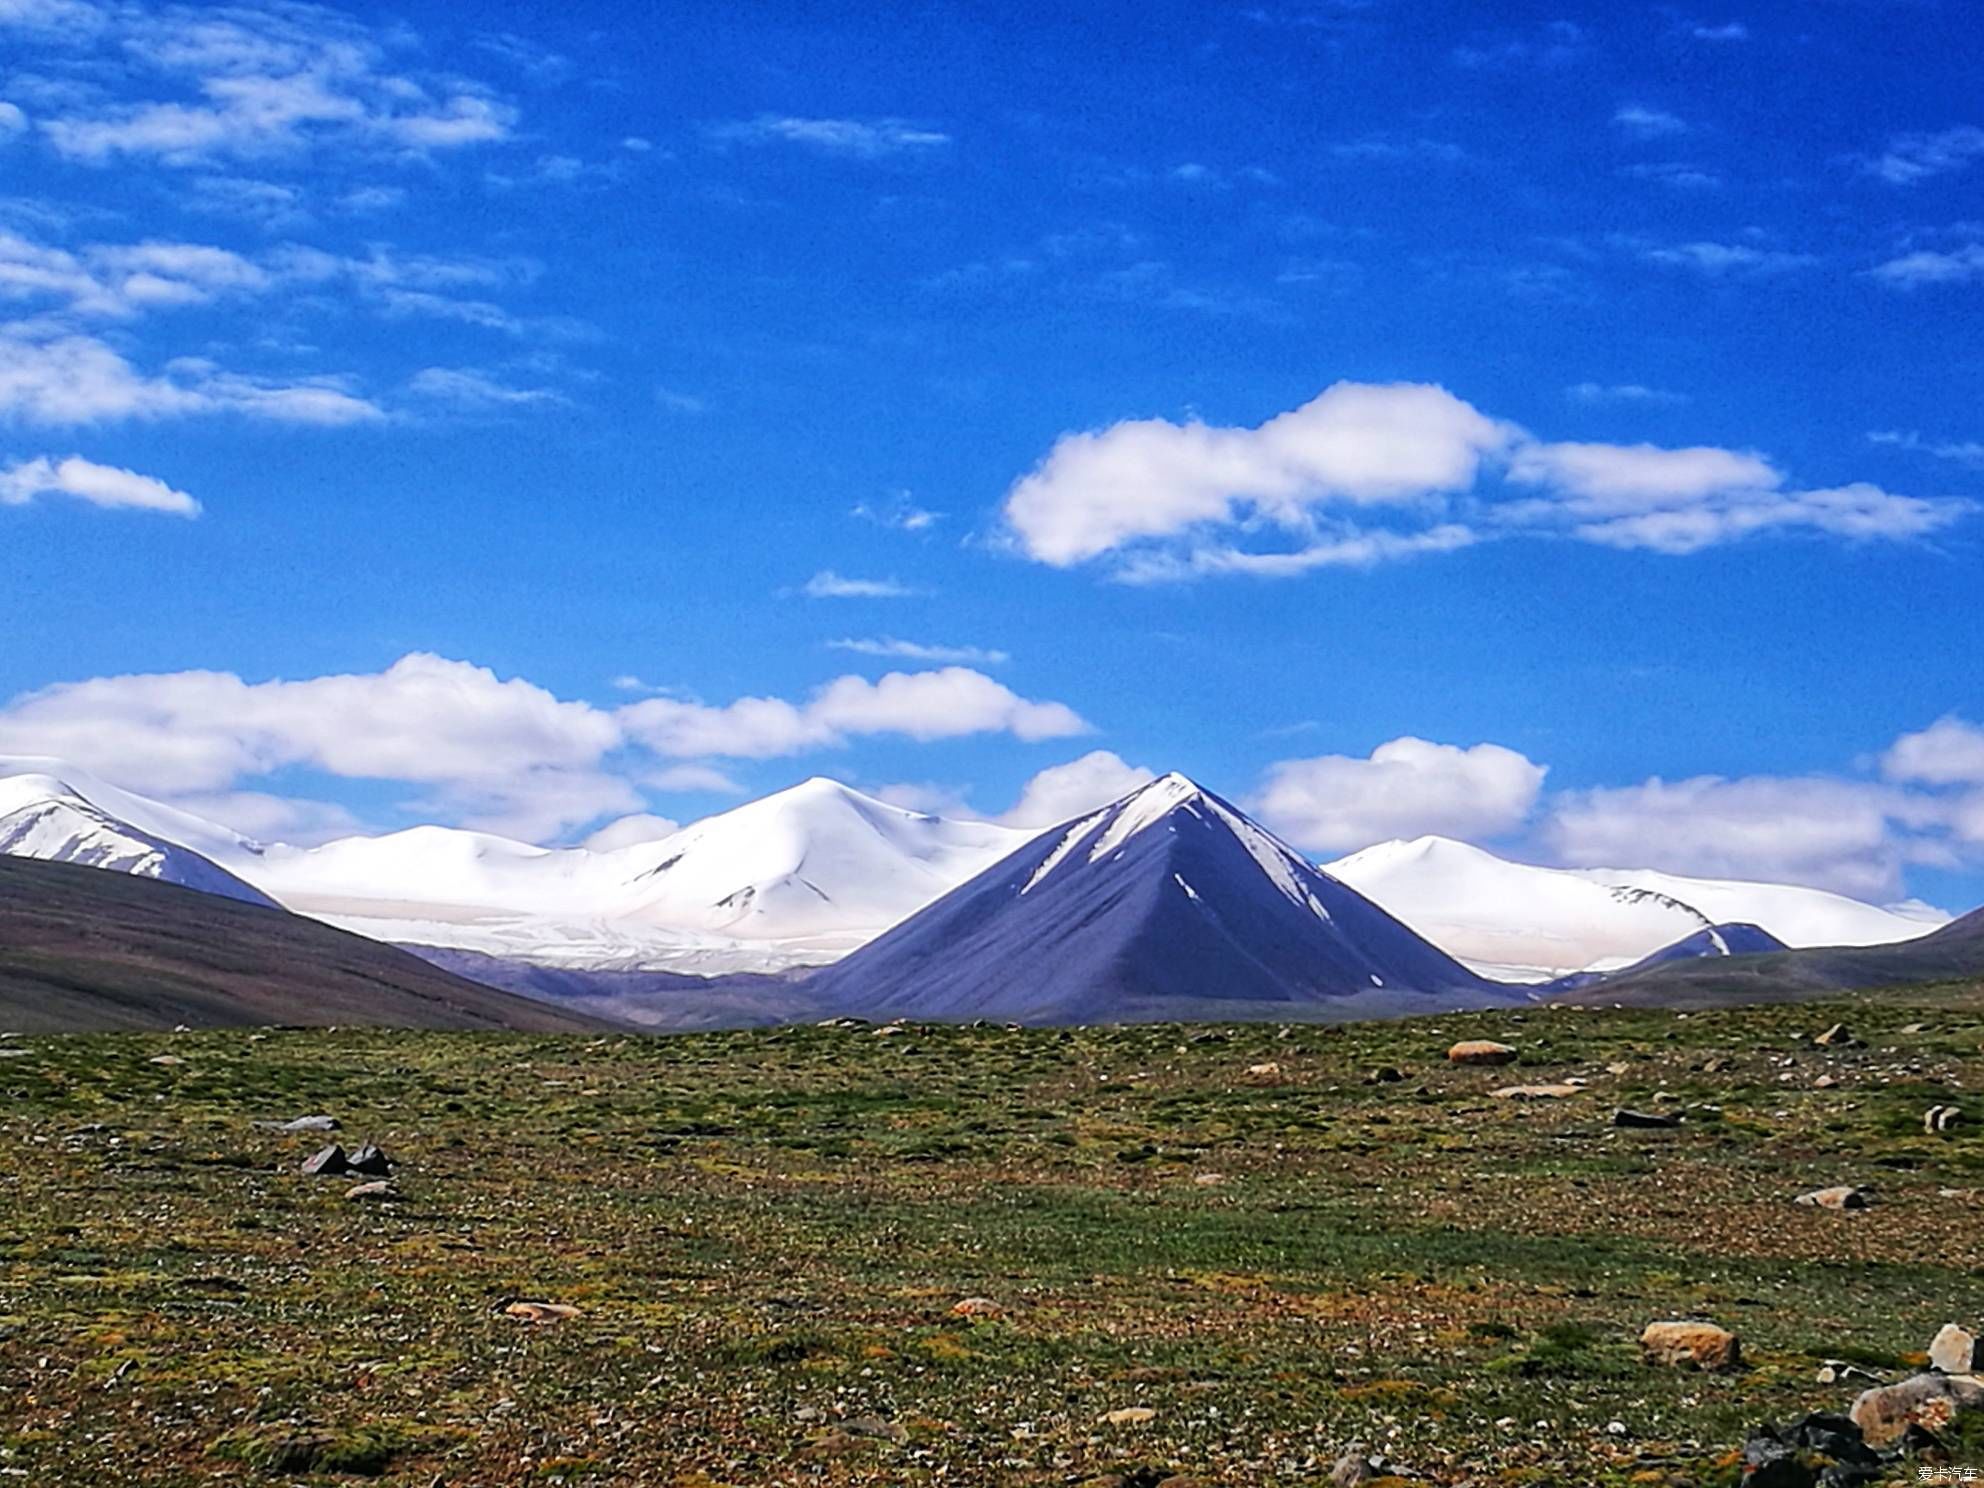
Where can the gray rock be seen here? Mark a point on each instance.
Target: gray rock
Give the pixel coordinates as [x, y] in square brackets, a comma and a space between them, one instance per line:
[332, 1162]
[371, 1161]
[1841, 1196]
[1643, 1119]
[311, 1124]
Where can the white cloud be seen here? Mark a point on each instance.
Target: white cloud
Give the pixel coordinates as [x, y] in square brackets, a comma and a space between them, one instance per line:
[826, 584]
[857, 139]
[99, 485]
[465, 387]
[899, 512]
[12, 120]
[1962, 451]
[1627, 477]
[1830, 833]
[256, 82]
[1166, 502]
[631, 831]
[1718, 260]
[1910, 158]
[1061, 792]
[945, 704]
[1948, 752]
[51, 375]
[1643, 123]
[889, 646]
[1355, 444]
[1728, 31]
[1621, 392]
[1927, 266]
[1406, 788]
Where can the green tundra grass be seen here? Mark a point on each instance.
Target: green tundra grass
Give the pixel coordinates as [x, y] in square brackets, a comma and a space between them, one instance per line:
[765, 1235]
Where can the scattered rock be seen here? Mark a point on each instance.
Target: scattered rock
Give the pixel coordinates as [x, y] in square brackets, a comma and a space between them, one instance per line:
[1839, 1036]
[1266, 1071]
[1931, 1401]
[1842, 1196]
[169, 1060]
[977, 1307]
[371, 1161]
[876, 1429]
[1825, 1082]
[378, 1188]
[1914, 1028]
[1208, 1180]
[890, 1030]
[1625, 1116]
[1717, 1064]
[1618, 1067]
[540, 1312]
[1533, 1092]
[1356, 1466]
[1956, 1350]
[1481, 1051]
[1691, 1344]
[1817, 1451]
[332, 1162]
[311, 1124]
[1129, 1415]
[1938, 1120]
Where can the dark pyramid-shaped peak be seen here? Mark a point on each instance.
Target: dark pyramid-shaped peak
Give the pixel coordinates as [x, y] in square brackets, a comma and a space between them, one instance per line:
[1169, 903]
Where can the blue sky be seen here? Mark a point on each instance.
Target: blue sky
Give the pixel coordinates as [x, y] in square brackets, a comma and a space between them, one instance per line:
[1585, 396]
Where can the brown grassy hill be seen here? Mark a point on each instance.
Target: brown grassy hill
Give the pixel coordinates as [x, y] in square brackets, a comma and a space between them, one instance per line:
[84, 949]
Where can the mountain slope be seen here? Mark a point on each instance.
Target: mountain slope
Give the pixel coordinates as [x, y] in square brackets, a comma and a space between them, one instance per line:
[45, 818]
[1167, 904]
[1953, 953]
[1710, 944]
[1540, 922]
[81, 949]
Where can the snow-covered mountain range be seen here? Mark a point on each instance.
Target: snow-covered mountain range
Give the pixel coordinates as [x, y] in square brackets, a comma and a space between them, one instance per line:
[1524, 923]
[808, 874]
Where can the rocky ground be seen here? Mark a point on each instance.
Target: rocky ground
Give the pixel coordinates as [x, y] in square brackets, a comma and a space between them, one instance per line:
[964, 1256]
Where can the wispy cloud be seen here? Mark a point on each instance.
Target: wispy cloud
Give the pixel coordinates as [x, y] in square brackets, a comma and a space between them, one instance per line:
[1643, 123]
[250, 82]
[855, 139]
[99, 485]
[1930, 266]
[826, 584]
[472, 388]
[1912, 158]
[1620, 392]
[1960, 451]
[899, 512]
[1554, 44]
[889, 646]
[1726, 260]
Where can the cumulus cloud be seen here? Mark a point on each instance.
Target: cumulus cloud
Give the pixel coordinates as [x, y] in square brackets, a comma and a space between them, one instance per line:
[1061, 792]
[826, 584]
[1364, 475]
[100, 485]
[1826, 832]
[855, 139]
[1355, 444]
[1948, 752]
[1406, 788]
[948, 703]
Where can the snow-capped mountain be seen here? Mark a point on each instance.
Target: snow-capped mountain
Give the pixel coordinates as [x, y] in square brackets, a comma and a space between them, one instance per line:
[1714, 942]
[43, 816]
[1520, 922]
[816, 863]
[1169, 903]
